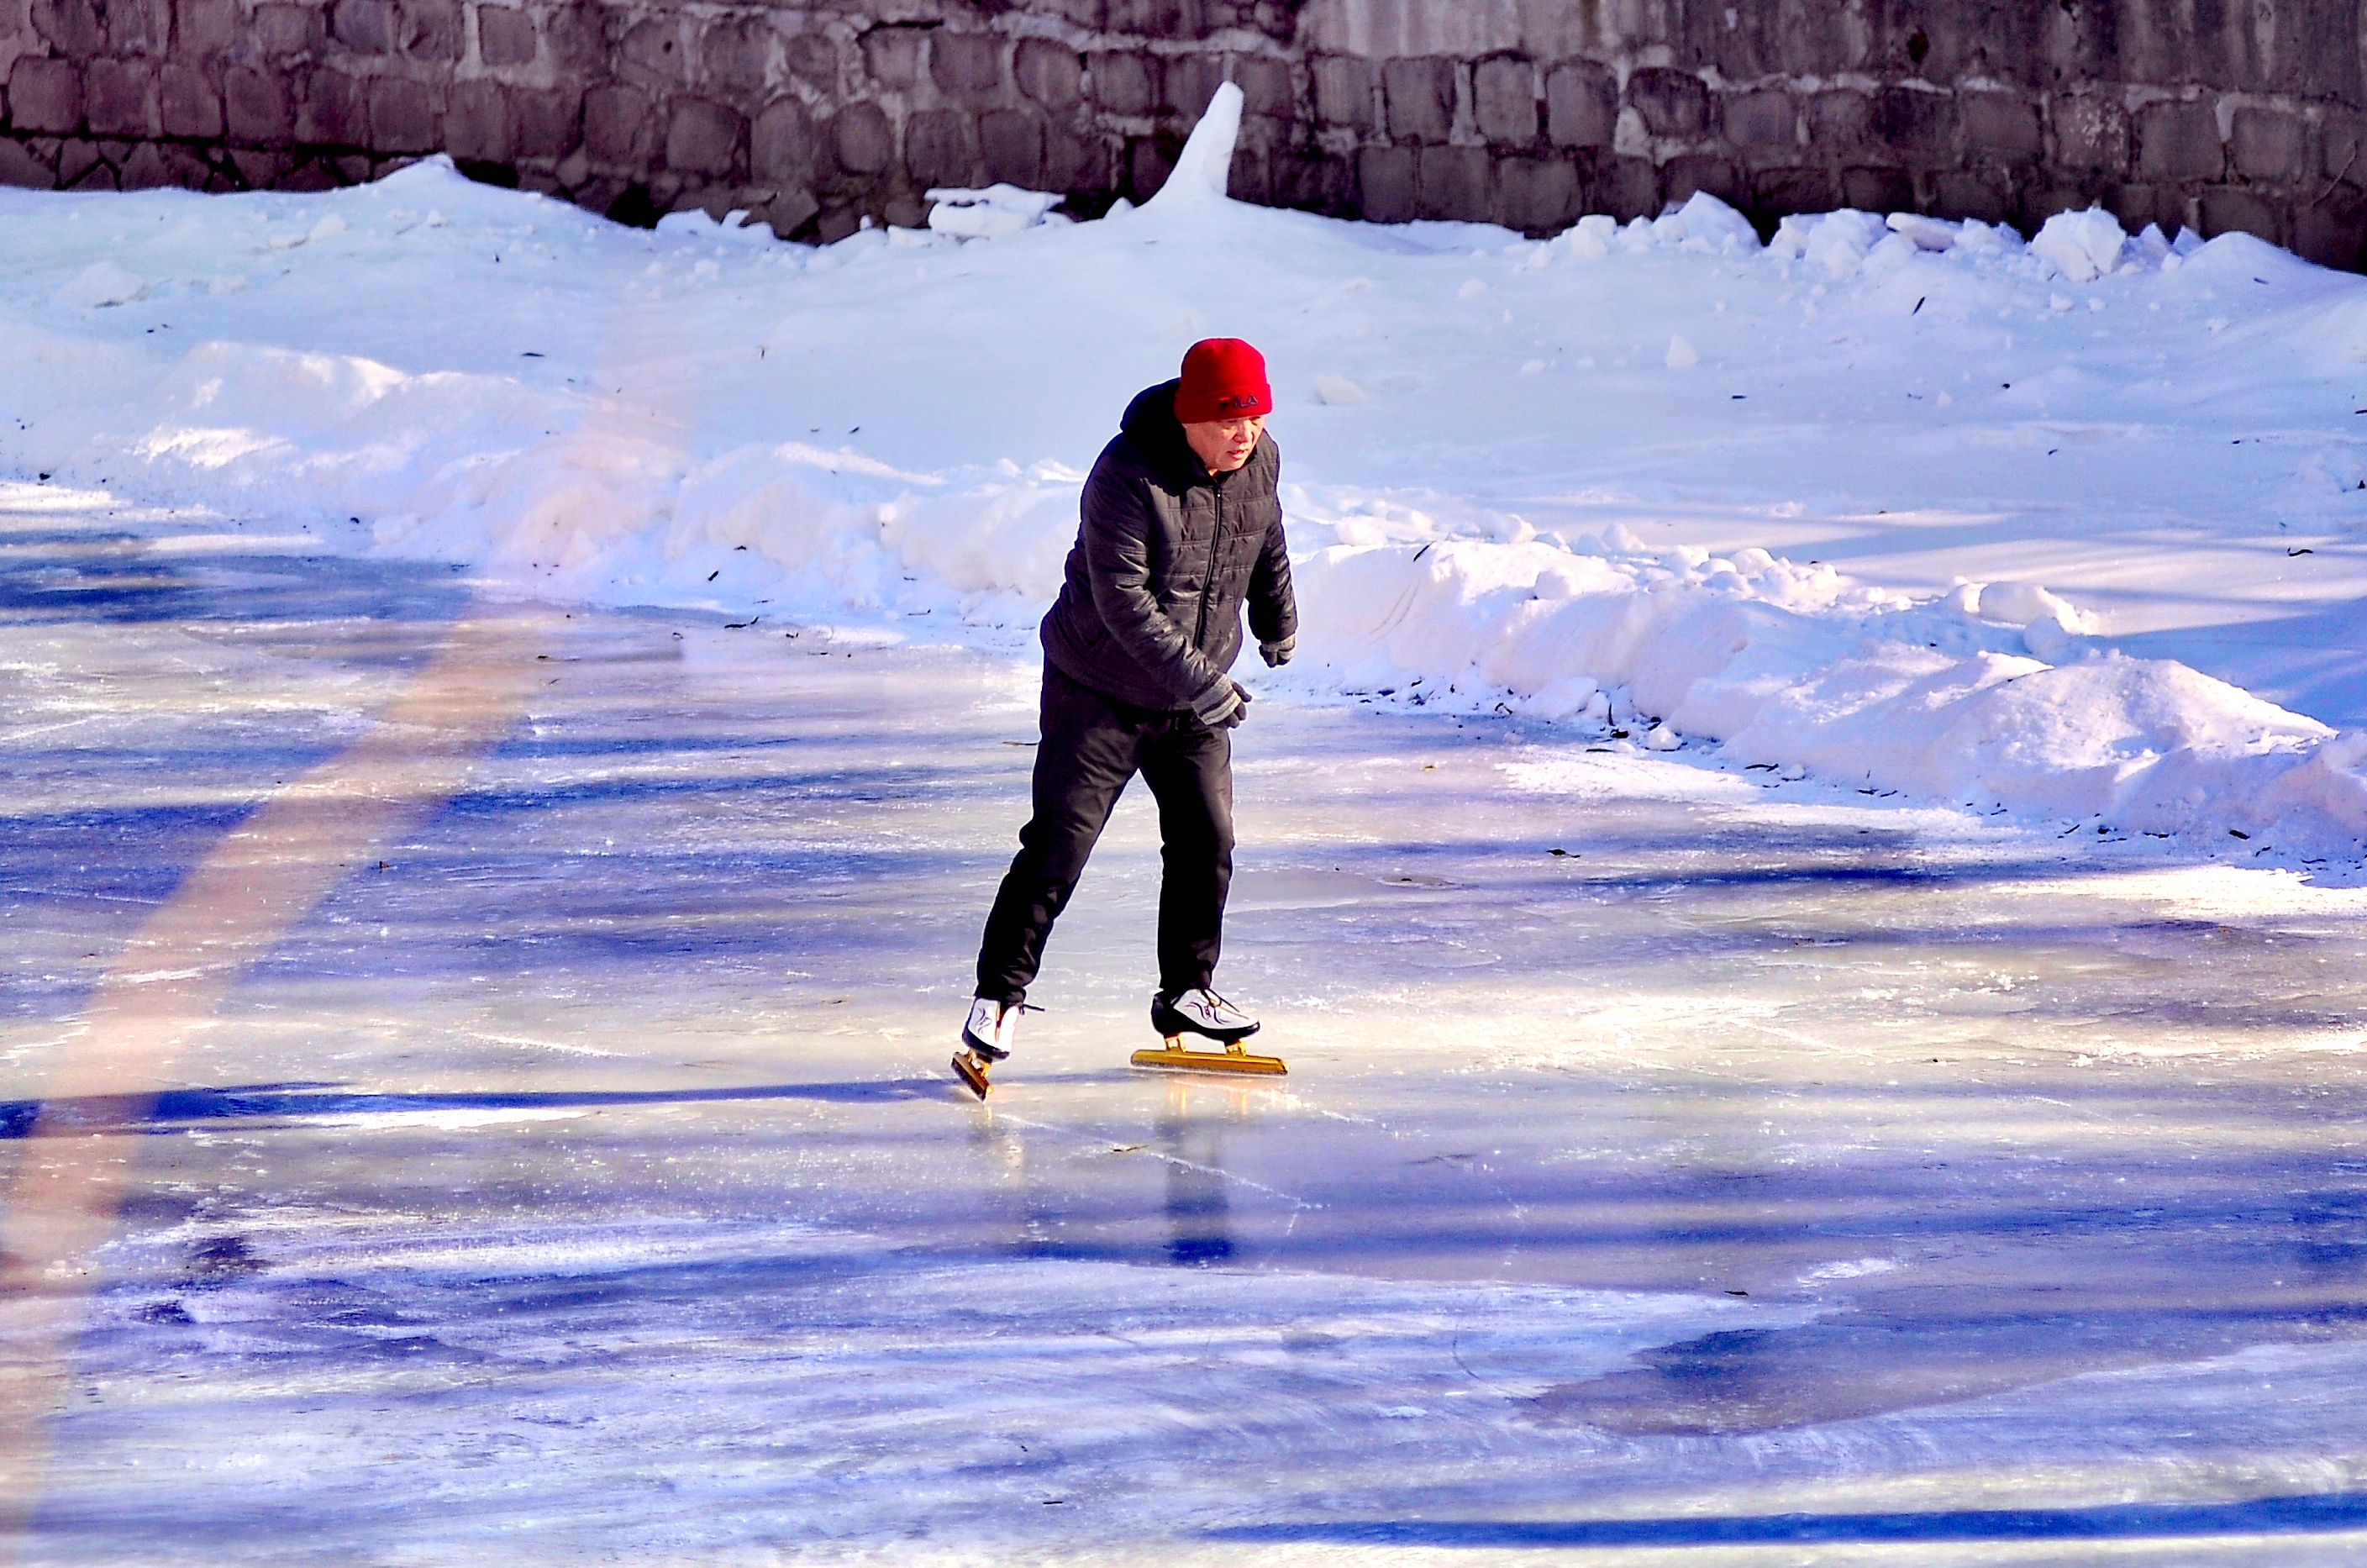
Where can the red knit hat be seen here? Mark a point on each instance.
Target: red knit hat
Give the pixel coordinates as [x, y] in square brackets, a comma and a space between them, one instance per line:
[1223, 378]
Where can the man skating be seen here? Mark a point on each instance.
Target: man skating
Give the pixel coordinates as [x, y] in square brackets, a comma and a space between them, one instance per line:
[1181, 526]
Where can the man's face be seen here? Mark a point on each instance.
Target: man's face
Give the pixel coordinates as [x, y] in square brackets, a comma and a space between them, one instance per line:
[1223, 444]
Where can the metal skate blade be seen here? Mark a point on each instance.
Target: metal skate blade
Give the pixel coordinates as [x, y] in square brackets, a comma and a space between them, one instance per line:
[972, 1074]
[1173, 1058]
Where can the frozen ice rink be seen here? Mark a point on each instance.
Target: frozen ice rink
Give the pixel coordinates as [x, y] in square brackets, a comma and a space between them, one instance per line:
[1678, 1164]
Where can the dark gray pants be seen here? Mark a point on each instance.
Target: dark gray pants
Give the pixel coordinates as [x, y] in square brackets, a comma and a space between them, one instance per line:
[1092, 747]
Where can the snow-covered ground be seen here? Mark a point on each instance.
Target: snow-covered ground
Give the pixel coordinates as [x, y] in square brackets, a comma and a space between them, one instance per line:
[1922, 508]
[1805, 877]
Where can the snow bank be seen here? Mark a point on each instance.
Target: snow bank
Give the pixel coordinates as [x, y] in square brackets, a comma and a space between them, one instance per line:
[1797, 667]
[434, 369]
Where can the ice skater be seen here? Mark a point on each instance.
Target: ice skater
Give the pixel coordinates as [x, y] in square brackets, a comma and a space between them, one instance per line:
[1181, 524]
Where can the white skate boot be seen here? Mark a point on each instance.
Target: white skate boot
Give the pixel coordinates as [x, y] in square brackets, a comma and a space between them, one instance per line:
[1202, 1013]
[988, 1036]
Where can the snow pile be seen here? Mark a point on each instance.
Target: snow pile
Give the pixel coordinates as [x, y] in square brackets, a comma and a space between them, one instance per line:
[1481, 430]
[992, 213]
[1797, 667]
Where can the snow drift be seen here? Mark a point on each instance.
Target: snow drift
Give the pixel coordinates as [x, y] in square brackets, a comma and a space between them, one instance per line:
[899, 424]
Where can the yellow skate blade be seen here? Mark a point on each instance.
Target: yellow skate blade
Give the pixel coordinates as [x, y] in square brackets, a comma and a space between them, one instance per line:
[972, 1074]
[1173, 1058]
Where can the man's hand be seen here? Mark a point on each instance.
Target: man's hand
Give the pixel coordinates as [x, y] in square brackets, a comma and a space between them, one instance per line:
[1277, 654]
[1223, 705]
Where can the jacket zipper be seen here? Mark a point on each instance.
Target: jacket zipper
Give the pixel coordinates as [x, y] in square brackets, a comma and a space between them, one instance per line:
[1208, 576]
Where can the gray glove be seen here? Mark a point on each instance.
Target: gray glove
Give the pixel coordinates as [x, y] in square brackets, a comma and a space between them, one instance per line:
[1223, 706]
[1277, 654]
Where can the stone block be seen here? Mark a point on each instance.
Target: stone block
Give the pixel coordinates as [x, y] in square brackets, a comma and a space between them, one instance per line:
[1189, 82]
[308, 175]
[366, 26]
[2270, 144]
[1877, 189]
[2090, 134]
[892, 55]
[257, 169]
[477, 123]
[1385, 184]
[2343, 146]
[255, 107]
[703, 137]
[1625, 187]
[1010, 148]
[1582, 105]
[1999, 123]
[1674, 104]
[550, 124]
[1344, 91]
[1122, 83]
[2179, 141]
[575, 38]
[1914, 122]
[733, 52]
[1779, 191]
[938, 149]
[208, 26]
[1452, 183]
[1537, 195]
[281, 31]
[20, 169]
[2137, 204]
[1765, 119]
[1148, 161]
[781, 146]
[75, 29]
[1962, 193]
[1266, 86]
[836, 222]
[406, 116]
[652, 54]
[505, 36]
[815, 58]
[1249, 176]
[861, 140]
[2332, 230]
[1074, 162]
[187, 103]
[1683, 176]
[788, 212]
[353, 168]
[1421, 97]
[619, 126]
[1313, 180]
[81, 168]
[1839, 121]
[1049, 72]
[332, 111]
[45, 94]
[2232, 209]
[146, 168]
[1504, 101]
[964, 64]
[432, 30]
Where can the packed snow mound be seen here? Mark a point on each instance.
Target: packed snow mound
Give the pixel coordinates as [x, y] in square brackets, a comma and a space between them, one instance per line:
[1478, 430]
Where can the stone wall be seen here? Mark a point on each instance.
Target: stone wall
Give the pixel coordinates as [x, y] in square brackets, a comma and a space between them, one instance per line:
[2220, 113]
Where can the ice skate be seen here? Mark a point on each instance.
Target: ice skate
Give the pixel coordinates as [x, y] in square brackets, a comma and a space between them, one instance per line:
[1201, 1013]
[988, 1036]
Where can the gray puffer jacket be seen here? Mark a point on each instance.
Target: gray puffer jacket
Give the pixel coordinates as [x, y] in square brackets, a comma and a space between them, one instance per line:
[1152, 610]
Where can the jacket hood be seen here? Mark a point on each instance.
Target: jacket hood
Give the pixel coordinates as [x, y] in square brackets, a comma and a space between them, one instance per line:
[1150, 424]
